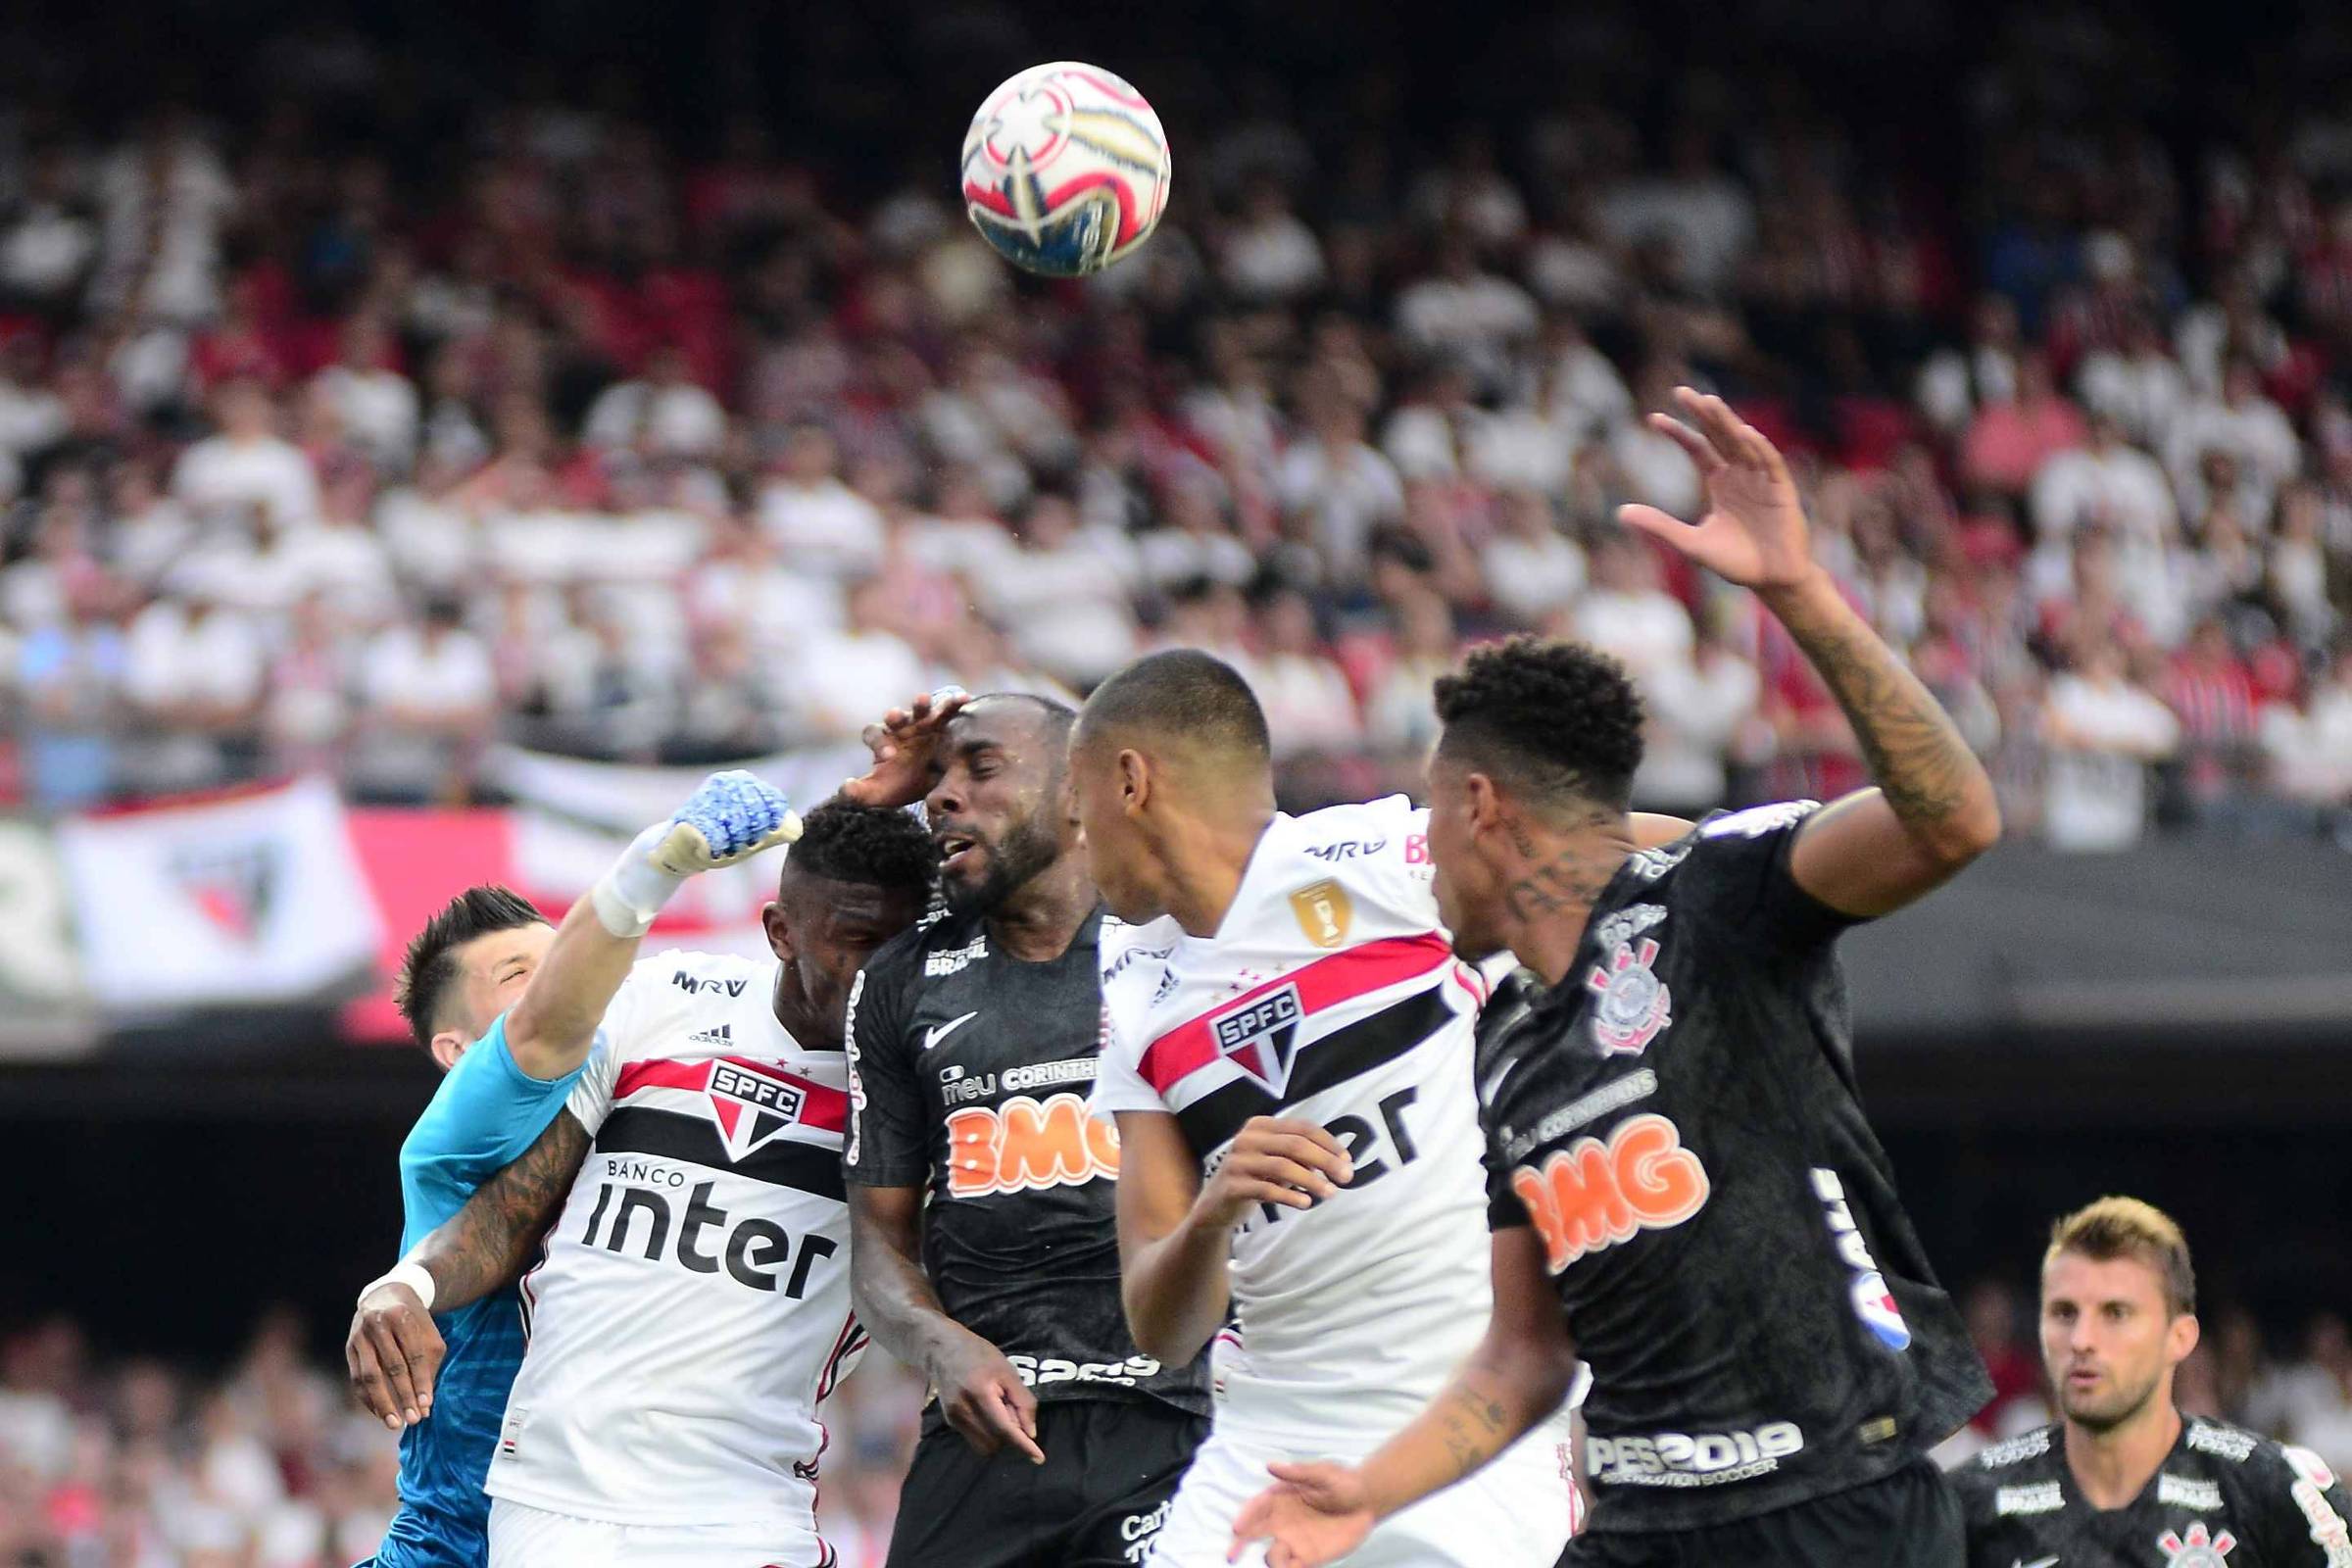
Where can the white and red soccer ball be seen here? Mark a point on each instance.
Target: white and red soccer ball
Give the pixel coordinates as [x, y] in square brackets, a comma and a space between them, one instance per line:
[1065, 169]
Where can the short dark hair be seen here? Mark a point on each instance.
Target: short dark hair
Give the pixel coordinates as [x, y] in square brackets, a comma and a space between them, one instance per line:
[873, 846]
[430, 965]
[1556, 720]
[1182, 693]
[1057, 714]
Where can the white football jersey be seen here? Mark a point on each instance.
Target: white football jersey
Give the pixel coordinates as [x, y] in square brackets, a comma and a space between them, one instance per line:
[1331, 994]
[693, 1308]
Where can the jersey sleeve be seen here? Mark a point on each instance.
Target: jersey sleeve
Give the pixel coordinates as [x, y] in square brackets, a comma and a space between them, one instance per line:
[494, 1111]
[616, 1037]
[1119, 1082]
[1739, 869]
[889, 1144]
[2310, 1515]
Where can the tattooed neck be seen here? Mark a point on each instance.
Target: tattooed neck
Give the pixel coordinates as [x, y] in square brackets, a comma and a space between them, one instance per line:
[1562, 875]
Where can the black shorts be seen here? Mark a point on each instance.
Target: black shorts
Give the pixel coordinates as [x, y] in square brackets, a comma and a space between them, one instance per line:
[1097, 1501]
[1910, 1519]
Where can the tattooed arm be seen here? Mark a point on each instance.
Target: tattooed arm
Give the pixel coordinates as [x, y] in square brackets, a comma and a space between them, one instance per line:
[1518, 1375]
[394, 1351]
[489, 1243]
[1934, 809]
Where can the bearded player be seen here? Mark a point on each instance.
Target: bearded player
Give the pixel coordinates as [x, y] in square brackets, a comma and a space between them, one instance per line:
[693, 1305]
[984, 1248]
[1687, 1191]
[2126, 1480]
[507, 1007]
[1290, 1064]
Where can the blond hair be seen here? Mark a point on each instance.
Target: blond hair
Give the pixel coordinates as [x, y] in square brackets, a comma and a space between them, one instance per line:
[2125, 1227]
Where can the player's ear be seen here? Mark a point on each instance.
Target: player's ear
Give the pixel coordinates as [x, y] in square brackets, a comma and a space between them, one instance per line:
[447, 1046]
[778, 929]
[1482, 802]
[1135, 781]
[2180, 1338]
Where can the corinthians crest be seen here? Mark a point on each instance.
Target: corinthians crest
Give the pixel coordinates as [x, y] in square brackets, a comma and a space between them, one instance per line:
[2196, 1549]
[1634, 1006]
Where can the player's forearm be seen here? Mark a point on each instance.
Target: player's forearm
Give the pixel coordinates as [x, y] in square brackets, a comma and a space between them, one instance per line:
[1497, 1397]
[1930, 780]
[489, 1243]
[1176, 1289]
[894, 1299]
[553, 1024]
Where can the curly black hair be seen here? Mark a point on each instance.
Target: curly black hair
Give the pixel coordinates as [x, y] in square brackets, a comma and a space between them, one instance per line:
[430, 965]
[875, 846]
[1556, 720]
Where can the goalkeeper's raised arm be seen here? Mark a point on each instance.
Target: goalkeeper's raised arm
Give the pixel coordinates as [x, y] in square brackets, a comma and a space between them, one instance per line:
[732, 817]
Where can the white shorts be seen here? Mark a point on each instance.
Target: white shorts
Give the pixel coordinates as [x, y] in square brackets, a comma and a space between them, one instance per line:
[1516, 1513]
[524, 1537]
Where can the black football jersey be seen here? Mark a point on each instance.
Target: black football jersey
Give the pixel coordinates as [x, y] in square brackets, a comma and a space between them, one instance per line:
[1678, 1118]
[2223, 1498]
[969, 1074]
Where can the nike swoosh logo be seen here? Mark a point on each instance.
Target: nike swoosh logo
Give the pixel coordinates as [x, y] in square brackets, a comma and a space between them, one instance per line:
[2038, 1562]
[933, 1036]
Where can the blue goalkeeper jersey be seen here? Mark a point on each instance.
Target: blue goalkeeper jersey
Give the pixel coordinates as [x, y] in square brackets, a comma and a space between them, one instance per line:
[487, 1111]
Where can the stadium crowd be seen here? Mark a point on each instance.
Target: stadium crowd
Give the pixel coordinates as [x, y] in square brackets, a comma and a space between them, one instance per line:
[135, 1464]
[316, 454]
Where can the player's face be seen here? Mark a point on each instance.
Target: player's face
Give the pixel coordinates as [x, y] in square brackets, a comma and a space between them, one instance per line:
[823, 931]
[998, 812]
[492, 971]
[1460, 878]
[1118, 858]
[2108, 1339]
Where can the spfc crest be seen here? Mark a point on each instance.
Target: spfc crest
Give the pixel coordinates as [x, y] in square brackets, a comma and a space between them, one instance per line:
[1323, 913]
[1259, 1036]
[751, 1105]
[233, 886]
[1634, 1004]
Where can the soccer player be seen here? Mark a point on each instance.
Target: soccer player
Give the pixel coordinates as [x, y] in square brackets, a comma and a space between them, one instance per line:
[507, 1007]
[984, 1247]
[1685, 1181]
[2126, 1480]
[691, 1308]
[1290, 1063]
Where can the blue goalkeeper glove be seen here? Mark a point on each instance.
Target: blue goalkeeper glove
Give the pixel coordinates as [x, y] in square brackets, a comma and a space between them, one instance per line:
[732, 817]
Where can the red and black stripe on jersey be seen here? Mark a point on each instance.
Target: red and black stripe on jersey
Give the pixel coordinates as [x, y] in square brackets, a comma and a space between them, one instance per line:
[1211, 1118]
[666, 1108]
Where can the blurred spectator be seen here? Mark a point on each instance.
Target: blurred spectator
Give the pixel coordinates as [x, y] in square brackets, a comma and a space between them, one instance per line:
[247, 463]
[429, 692]
[1999, 1326]
[2308, 746]
[377, 404]
[2315, 1397]
[2103, 730]
[661, 411]
[819, 523]
[2105, 479]
[1627, 613]
[1065, 597]
[1309, 708]
[1531, 567]
[2011, 438]
[1698, 701]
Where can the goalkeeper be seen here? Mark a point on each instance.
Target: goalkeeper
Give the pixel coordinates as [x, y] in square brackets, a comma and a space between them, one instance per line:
[508, 1008]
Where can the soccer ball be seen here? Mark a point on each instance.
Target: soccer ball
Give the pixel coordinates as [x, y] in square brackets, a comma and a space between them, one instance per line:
[1065, 169]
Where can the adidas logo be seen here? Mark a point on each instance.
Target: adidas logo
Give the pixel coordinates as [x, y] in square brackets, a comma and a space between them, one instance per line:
[724, 1035]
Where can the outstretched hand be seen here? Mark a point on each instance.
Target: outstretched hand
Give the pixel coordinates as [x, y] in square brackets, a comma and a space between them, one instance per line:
[1313, 1514]
[1753, 532]
[903, 745]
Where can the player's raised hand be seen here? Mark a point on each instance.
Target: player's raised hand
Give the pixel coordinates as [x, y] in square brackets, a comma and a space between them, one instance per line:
[903, 745]
[1753, 532]
[983, 1398]
[1312, 1514]
[1294, 1164]
[393, 1354]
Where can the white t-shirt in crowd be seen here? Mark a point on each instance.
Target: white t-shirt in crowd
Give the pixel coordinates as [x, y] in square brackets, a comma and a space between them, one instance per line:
[218, 473]
[1648, 630]
[171, 657]
[1530, 578]
[825, 527]
[451, 678]
[2123, 486]
[2097, 798]
[379, 410]
[682, 420]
